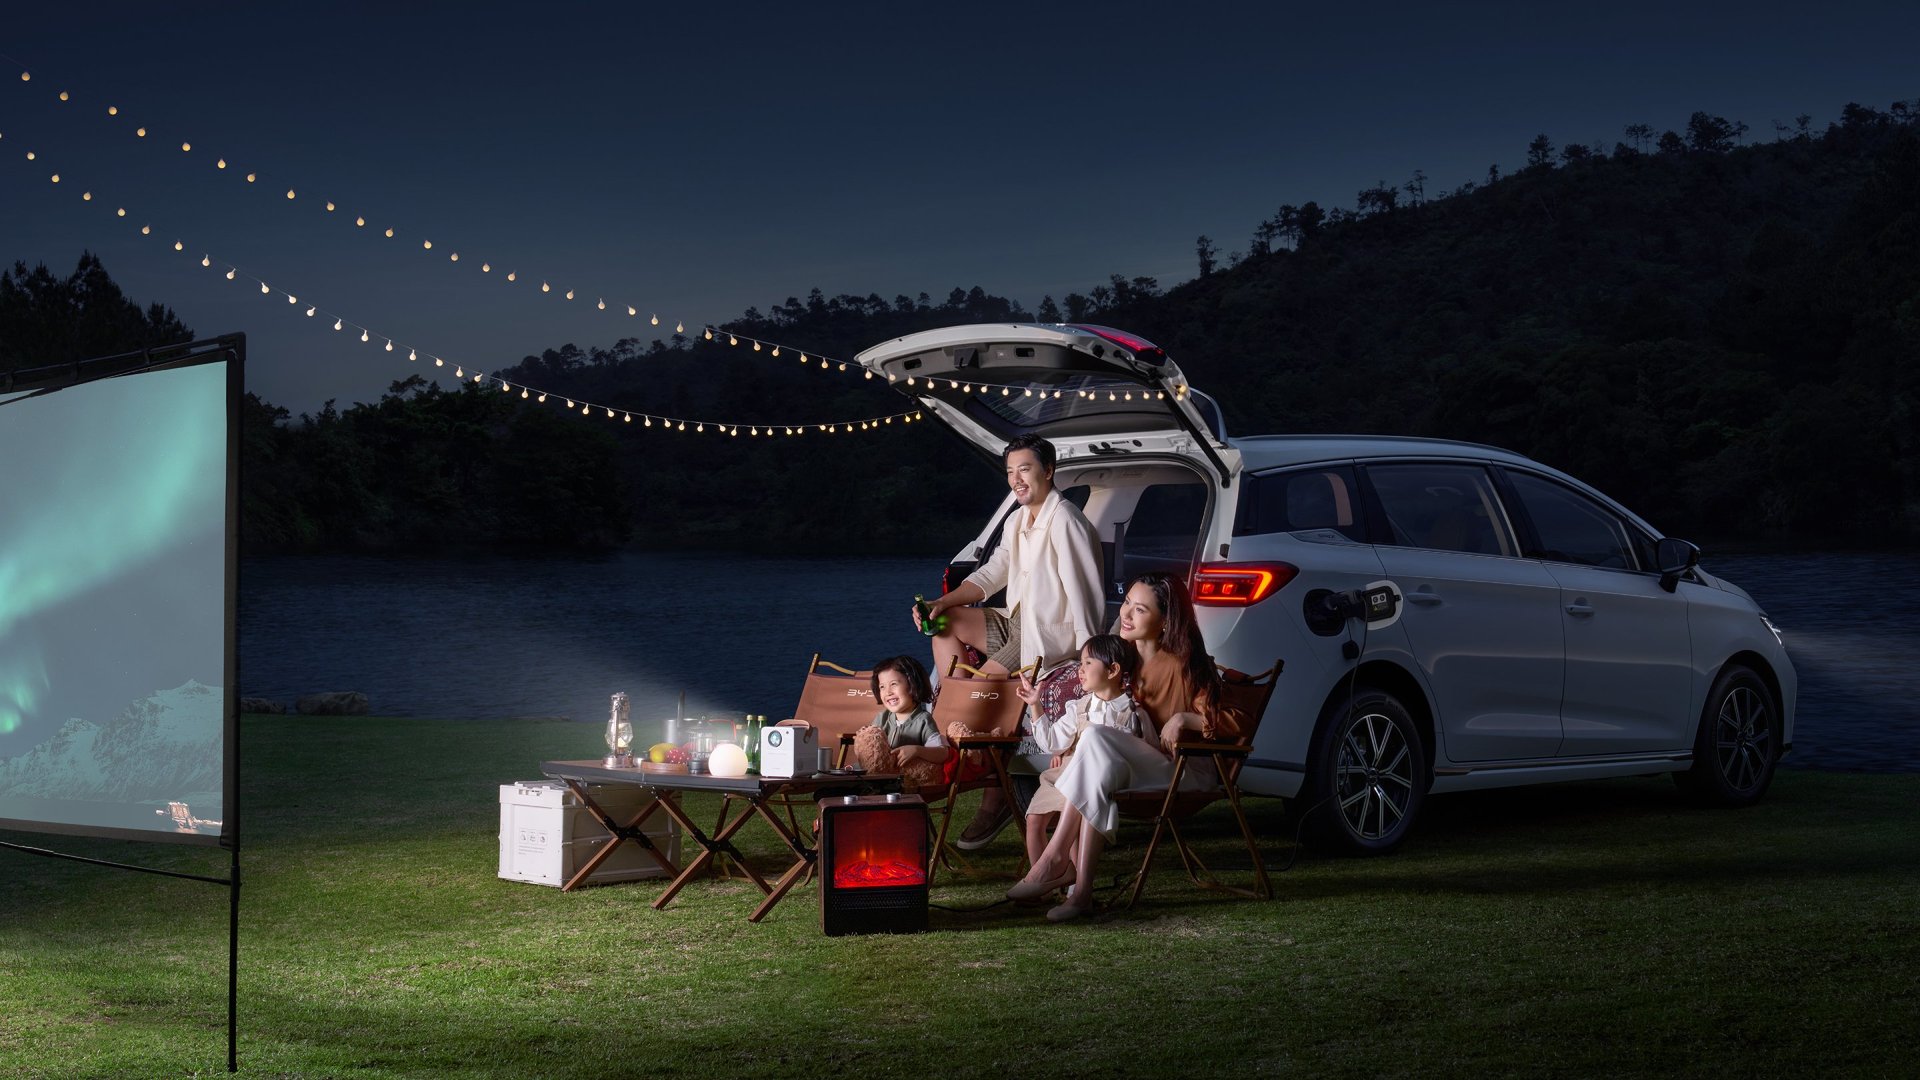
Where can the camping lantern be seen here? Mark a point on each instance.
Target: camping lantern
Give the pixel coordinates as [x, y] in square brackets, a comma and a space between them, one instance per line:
[873, 864]
[619, 735]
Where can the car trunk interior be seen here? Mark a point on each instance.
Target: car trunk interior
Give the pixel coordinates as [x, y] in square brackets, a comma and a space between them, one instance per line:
[1150, 515]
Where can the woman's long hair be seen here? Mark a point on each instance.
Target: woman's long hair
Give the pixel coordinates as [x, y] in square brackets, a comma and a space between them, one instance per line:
[1180, 634]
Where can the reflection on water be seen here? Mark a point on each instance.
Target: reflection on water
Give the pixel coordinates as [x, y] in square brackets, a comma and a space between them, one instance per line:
[494, 637]
[1852, 627]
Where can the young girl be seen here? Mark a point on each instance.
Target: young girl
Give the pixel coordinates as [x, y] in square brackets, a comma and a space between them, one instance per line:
[1107, 664]
[902, 738]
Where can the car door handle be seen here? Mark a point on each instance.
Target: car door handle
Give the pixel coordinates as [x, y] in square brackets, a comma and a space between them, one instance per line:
[1424, 596]
[1580, 607]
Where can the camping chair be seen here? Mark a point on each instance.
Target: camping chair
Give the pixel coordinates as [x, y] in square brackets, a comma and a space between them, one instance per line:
[985, 704]
[836, 702]
[1166, 807]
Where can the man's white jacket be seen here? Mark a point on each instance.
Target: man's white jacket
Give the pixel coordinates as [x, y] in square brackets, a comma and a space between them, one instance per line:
[1052, 576]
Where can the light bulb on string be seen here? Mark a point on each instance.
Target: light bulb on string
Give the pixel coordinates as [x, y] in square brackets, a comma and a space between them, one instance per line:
[63, 95]
[329, 206]
[113, 110]
[292, 299]
[609, 413]
[221, 164]
[756, 346]
[461, 373]
[141, 132]
[569, 404]
[360, 221]
[679, 328]
[544, 287]
[869, 375]
[424, 244]
[776, 351]
[511, 276]
[683, 425]
[653, 320]
[336, 324]
[843, 365]
[709, 335]
[523, 393]
[122, 212]
[230, 275]
[486, 268]
[184, 147]
[289, 193]
[206, 260]
[263, 288]
[823, 363]
[251, 177]
[310, 311]
[412, 355]
[455, 257]
[731, 340]
[56, 178]
[543, 398]
[803, 358]
[602, 305]
[86, 196]
[648, 421]
[628, 416]
[363, 335]
[178, 246]
[569, 294]
[389, 344]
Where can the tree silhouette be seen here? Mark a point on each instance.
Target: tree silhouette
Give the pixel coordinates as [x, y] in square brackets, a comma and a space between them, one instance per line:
[1540, 152]
[1203, 248]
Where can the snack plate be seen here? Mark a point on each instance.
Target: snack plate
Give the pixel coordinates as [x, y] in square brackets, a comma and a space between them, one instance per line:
[663, 767]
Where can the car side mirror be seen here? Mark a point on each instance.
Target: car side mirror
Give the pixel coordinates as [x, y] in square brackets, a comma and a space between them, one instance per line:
[1674, 558]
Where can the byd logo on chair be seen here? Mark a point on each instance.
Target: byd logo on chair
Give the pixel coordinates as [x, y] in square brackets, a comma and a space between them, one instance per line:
[859, 693]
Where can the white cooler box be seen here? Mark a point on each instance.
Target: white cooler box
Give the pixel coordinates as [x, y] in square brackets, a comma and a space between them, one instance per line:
[546, 834]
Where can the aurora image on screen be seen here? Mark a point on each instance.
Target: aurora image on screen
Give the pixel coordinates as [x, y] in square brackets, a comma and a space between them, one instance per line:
[112, 604]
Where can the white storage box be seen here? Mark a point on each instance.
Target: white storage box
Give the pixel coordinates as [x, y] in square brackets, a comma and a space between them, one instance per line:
[546, 834]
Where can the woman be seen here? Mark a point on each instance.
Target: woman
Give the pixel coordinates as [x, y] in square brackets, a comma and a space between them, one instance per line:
[1048, 560]
[1180, 689]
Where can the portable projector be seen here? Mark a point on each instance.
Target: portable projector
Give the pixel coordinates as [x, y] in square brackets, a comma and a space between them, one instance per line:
[790, 748]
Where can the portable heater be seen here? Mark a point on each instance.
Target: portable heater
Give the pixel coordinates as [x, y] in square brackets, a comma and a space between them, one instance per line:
[873, 864]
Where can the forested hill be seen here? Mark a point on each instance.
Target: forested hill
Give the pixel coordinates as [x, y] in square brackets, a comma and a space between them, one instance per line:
[1724, 336]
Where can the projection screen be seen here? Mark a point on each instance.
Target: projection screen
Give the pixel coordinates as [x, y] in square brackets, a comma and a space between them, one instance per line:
[117, 578]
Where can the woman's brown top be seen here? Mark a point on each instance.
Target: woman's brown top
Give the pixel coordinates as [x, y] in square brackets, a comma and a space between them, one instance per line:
[1164, 687]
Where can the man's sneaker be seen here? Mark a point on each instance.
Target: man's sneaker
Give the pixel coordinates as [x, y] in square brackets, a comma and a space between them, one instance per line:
[981, 830]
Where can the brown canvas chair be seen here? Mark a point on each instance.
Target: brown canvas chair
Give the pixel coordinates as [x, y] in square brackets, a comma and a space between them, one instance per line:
[1167, 807]
[989, 706]
[837, 702]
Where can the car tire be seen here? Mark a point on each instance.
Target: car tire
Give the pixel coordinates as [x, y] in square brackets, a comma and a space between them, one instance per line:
[1737, 746]
[1367, 778]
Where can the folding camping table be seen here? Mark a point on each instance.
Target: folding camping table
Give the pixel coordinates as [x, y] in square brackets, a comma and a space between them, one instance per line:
[666, 787]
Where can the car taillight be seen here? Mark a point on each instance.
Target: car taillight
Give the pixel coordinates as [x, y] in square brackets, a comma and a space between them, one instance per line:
[1139, 346]
[1240, 584]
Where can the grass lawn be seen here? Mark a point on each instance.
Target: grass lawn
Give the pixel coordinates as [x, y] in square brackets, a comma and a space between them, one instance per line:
[1573, 930]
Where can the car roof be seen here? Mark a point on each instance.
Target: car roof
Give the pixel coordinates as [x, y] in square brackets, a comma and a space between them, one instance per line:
[1272, 451]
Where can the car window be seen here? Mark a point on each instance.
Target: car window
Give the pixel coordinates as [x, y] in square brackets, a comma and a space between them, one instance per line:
[1572, 528]
[1164, 530]
[1307, 499]
[1440, 506]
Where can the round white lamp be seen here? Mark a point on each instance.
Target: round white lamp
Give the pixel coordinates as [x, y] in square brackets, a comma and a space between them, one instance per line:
[727, 759]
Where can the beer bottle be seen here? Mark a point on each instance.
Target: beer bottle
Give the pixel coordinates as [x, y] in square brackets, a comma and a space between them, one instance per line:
[930, 625]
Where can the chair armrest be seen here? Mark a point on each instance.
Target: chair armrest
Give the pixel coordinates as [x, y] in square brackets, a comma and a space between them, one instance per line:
[1189, 749]
[986, 742]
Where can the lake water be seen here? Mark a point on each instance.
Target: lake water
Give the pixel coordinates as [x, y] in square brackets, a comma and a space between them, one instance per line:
[494, 636]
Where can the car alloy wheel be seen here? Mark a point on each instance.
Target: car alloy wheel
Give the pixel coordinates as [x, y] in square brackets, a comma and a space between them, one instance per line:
[1738, 743]
[1370, 776]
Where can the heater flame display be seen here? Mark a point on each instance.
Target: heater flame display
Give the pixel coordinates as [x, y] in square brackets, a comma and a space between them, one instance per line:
[863, 874]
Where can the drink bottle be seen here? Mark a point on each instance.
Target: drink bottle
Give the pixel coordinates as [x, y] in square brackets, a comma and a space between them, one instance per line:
[750, 734]
[930, 625]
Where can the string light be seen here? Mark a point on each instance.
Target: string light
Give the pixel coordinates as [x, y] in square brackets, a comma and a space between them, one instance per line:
[388, 345]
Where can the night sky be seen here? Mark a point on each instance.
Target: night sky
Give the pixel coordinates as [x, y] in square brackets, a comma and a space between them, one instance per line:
[696, 161]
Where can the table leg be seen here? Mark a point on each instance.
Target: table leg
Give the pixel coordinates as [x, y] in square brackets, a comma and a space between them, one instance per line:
[721, 843]
[804, 857]
[620, 833]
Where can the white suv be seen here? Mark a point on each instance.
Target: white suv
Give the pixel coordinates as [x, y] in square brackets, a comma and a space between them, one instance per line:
[1452, 616]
